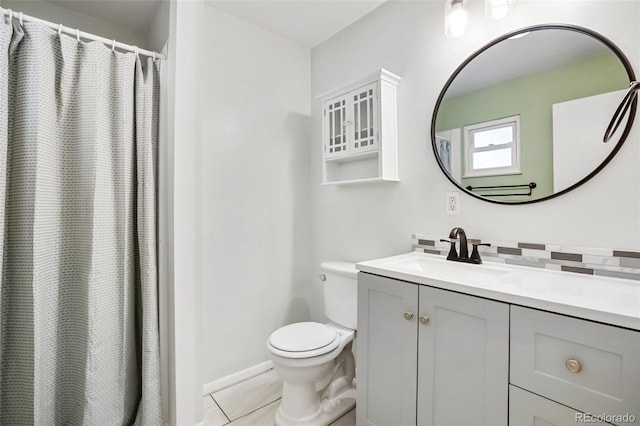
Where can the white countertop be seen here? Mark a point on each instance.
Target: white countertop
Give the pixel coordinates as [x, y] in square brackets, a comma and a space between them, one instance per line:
[609, 300]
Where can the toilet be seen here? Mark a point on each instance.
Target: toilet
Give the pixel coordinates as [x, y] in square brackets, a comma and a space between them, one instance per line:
[314, 360]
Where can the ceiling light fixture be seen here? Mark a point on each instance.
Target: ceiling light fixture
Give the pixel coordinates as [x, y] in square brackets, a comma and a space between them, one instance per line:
[456, 16]
[498, 9]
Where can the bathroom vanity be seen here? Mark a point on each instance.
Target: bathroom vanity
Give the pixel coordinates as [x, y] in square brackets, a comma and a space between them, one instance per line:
[442, 342]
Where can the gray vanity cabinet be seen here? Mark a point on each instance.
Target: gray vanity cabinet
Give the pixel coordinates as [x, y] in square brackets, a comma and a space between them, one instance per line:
[427, 356]
[387, 351]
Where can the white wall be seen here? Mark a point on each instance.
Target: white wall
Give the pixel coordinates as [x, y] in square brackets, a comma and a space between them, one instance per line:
[254, 102]
[248, 132]
[406, 37]
[238, 223]
[184, 216]
[158, 31]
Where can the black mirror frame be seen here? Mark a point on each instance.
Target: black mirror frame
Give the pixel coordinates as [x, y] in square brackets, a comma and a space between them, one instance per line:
[614, 151]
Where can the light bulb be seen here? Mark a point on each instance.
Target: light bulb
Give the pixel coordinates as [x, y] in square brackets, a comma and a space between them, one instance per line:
[455, 18]
[498, 8]
[500, 11]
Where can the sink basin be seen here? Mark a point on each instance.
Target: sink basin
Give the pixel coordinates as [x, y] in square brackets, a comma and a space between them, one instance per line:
[447, 270]
[598, 298]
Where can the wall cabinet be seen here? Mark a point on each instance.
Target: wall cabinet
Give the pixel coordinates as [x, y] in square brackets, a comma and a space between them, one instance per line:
[429, 357]
[359, 131]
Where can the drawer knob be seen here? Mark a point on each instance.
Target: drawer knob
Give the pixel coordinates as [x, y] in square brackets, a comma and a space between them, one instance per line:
[573, 365]
[408, 316]
[424, 319]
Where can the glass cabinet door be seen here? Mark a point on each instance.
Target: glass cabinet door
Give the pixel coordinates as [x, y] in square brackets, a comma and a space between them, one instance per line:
[351, 123]
[364, 122]
[336, 127]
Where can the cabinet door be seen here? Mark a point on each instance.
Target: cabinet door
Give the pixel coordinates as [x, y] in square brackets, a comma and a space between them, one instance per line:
[528, 409]
[335, 132]
[463, 360]
[586, 365]
[364, 119]
[386, 351]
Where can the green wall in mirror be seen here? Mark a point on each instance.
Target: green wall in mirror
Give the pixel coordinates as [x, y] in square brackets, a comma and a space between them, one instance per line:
[532, 98]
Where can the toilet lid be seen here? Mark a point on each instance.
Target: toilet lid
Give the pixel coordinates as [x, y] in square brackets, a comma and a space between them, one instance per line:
[303, 337]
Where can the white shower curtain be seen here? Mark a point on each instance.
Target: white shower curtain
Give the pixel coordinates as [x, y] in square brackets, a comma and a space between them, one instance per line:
[79, 341]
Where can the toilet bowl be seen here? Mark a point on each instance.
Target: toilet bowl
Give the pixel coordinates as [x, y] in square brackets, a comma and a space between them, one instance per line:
[315, 361]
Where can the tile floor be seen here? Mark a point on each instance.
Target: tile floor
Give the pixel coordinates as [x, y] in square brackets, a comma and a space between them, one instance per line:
[252, 403]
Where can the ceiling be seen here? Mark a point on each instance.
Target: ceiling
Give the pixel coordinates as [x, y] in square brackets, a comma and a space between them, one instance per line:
[306, 22]
[536, 52]
[134, 14]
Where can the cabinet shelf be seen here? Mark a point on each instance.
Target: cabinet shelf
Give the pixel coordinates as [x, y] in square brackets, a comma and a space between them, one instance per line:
[359, 131]
[359, 181]
[354, 157]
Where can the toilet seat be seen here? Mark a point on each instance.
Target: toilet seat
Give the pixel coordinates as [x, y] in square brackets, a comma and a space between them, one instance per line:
[304, 340]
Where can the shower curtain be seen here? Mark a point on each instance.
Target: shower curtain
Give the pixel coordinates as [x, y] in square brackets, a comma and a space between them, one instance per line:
[79, 340]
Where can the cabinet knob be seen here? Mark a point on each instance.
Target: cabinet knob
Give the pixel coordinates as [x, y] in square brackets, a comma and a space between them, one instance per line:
[573, 365]
[408, 316]
[424, 319]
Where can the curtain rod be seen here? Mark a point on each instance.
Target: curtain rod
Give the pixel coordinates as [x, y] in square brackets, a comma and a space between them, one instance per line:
[80, 34]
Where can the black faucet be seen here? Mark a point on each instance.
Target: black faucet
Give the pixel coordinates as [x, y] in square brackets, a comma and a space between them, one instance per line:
[459, 234]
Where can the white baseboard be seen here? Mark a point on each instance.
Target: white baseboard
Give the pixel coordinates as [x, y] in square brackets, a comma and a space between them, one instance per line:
[236, 377]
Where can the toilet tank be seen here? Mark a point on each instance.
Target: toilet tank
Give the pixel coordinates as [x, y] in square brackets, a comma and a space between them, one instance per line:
[340, 287]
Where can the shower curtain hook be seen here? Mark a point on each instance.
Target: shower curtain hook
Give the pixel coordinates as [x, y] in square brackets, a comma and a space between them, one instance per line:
[136, 51]
[78, 34]
[113, 45]
[154, 56]
[10, 15]
[21, 23]
[60, 29]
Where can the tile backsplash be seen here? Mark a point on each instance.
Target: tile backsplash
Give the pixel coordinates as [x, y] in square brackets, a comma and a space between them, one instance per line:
[581, 260]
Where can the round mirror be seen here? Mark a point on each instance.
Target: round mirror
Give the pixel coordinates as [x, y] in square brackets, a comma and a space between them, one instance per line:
[522, 120]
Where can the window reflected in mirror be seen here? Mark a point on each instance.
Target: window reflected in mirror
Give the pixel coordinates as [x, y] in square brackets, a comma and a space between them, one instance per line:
[492, 148]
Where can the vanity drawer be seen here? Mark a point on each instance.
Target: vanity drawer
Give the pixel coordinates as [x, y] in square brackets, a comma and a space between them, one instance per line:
[528, 409]
[589, 366]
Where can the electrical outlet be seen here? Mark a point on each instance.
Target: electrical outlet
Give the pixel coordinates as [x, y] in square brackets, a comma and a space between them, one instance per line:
[452, 203]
